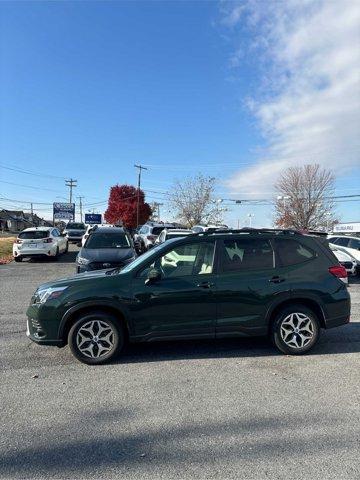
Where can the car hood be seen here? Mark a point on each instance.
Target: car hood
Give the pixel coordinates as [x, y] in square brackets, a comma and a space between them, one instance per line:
[74, 279]
[106, 254]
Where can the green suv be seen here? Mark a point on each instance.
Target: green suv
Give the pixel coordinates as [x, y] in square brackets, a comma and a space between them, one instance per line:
[283, 284]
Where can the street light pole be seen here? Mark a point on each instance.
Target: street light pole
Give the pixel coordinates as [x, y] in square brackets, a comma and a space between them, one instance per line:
[139, 167]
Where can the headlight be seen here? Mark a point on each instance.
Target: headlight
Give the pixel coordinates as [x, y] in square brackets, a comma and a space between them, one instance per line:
[82, 261]
[42, 296]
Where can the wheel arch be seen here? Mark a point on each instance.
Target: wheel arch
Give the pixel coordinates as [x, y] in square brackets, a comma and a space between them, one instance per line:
[74, 313]
[306, 302]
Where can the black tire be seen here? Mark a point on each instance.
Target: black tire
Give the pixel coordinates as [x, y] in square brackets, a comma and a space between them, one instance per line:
[57, 253]
[18, 259]
[67, 247]
[281, 320]
[116, 338]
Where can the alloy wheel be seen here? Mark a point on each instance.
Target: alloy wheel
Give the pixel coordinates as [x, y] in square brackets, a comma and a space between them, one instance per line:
[297, 330]
[95, 338]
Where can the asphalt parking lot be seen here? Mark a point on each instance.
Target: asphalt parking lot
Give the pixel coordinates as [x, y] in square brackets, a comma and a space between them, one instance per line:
[210, 409]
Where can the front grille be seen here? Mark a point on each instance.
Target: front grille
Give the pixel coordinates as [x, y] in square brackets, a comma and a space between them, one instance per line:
[105, 265]
[347, 265]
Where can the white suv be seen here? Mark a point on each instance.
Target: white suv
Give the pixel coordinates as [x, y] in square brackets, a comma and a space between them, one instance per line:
[39, 241]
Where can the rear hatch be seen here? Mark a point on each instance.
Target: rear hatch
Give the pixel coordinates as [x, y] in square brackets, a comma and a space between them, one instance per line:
[33, 239]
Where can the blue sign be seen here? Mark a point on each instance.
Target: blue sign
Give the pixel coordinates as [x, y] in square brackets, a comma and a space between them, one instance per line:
[93, 218]
[65, 211]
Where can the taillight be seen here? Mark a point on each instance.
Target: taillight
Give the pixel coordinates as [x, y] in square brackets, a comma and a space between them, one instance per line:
[151, 237]
[18, 240]
[47, 240]
[338, 271]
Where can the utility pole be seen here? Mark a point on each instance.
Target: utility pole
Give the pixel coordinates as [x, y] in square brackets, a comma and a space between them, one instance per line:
[140, 167]
[71, 184]
[81, 211]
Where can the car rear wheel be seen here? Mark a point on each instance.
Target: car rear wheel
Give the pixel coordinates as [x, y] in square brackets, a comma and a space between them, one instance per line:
[96, 338]
[295, 330]
[18, 259]
[66, 248]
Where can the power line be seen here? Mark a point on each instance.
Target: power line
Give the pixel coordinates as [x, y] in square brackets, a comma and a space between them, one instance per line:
[27, 172]
[30, 186]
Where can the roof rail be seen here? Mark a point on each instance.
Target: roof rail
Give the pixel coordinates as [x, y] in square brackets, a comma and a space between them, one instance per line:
[278, 231]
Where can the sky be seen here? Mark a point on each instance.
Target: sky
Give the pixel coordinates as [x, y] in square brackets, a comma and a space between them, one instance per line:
[235, 90]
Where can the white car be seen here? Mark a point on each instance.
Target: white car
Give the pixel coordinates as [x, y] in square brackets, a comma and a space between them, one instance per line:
[39, 242]
[205, 228]
[175, 233]
[348, 244]
[345, 259]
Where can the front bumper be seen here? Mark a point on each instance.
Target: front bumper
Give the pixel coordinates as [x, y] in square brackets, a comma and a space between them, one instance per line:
[35, 331]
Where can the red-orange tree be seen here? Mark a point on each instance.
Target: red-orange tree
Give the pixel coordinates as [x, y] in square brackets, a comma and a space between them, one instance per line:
[122, 206]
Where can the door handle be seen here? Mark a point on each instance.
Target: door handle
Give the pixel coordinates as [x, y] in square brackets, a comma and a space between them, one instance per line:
[205, 285]
[276, 279]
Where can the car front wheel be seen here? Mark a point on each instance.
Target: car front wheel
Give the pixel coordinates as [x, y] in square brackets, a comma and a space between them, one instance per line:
[96, 338]
[295, 330]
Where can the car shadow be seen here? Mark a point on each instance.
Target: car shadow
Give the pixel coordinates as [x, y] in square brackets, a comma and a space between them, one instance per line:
[345, 339]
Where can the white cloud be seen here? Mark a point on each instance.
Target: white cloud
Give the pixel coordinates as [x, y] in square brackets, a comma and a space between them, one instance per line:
[310, 54]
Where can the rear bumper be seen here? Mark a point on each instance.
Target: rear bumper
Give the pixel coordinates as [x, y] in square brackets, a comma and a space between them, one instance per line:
[337, 321]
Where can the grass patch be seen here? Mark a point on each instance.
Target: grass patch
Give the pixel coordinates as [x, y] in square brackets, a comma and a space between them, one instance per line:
[6, 249]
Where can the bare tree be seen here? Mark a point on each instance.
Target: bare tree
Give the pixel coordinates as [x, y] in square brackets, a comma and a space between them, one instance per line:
[304, 198]
[192, 200]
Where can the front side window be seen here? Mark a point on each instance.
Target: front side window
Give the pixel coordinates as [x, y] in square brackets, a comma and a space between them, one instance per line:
[342, 241]
[107, 240]
[184, 260]
[244, 254]
[291, 252]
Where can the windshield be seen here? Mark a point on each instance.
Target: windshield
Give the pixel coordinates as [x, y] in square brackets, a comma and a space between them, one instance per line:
[157, 230]
[36, 234]
[107, 240]
[75, 226]
[177, 235]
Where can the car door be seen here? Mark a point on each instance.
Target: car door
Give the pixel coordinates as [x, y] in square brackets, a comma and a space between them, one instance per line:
[247, 284]
[182, 303]
[60, 240]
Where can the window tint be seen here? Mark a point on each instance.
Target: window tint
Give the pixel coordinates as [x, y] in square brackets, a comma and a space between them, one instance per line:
[76, 226]
[184, 260]
[55, 233]
[157, 230]
[107, 240]
[242, 254]
[290, 252]
[354, 243]
[36, 234]
[342, 241]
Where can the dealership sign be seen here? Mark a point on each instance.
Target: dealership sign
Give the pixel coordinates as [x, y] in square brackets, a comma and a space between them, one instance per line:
[64, 211]
[93, 218]
[353, 227]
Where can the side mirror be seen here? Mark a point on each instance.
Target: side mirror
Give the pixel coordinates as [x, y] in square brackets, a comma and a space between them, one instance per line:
[153, 276]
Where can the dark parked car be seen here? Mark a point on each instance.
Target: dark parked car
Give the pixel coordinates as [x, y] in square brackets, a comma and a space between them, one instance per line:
[74, 231]
[210, 285]
[106, 248]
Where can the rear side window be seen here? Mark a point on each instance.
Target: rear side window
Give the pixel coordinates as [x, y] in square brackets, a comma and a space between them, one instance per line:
[35, 235]
[246, 254]
[354, 243]
[291, 252]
